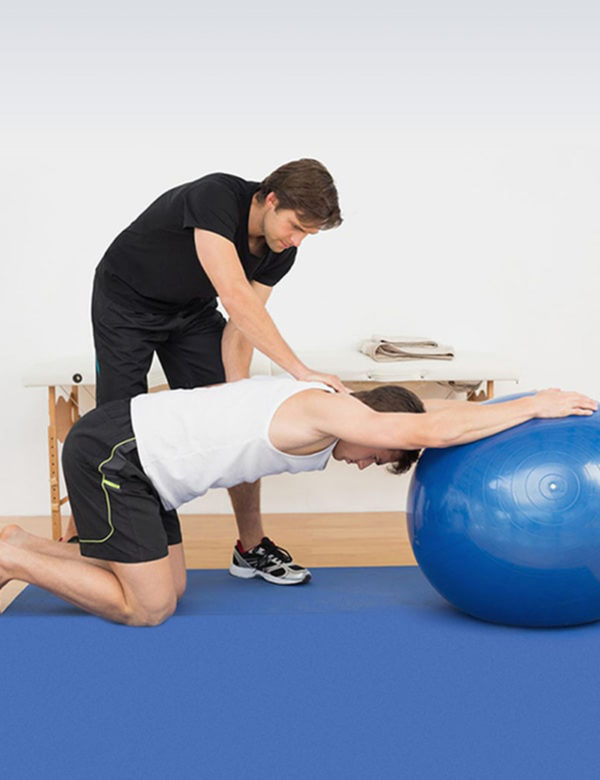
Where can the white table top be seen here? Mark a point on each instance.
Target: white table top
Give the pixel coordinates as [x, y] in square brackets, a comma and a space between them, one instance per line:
[349, 364]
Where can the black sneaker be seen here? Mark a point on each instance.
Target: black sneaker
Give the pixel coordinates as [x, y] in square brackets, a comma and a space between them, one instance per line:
[266, 560]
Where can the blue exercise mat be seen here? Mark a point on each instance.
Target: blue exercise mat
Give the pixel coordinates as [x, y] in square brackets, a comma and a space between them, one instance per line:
[363, 673]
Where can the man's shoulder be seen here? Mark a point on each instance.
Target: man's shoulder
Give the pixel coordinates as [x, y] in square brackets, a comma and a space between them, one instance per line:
[223, 181]
[316, 396]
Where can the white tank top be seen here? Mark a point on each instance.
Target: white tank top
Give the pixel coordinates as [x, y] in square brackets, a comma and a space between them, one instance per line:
[192, 440]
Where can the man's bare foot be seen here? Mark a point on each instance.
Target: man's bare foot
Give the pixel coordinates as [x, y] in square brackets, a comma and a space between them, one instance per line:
[13, 534]
[5, 576]
[17, 537]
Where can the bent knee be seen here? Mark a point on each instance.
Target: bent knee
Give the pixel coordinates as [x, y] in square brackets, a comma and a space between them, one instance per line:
[180, 586]
[153, 615]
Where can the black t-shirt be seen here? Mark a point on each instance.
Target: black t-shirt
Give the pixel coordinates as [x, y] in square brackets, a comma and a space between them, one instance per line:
[153, 266]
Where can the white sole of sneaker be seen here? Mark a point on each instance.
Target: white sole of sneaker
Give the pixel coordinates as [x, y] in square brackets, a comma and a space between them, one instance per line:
[247, 573]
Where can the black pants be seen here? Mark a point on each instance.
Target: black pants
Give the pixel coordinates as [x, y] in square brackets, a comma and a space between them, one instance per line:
[188, 345]
[118, 513]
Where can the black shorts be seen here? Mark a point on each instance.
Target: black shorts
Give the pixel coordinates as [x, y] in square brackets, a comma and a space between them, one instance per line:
[187, 342]
[117, 511]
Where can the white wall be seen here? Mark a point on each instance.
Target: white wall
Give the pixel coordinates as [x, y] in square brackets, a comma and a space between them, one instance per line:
[463, 138]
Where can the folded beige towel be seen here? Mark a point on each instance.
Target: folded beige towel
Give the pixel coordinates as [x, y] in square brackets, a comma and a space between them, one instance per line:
[388, 348]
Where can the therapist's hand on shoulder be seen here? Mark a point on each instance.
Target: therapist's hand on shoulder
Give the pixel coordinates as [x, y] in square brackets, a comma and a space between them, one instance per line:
[331, 380]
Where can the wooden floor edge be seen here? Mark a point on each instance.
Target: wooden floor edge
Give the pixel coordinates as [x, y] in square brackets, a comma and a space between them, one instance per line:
[9, 593]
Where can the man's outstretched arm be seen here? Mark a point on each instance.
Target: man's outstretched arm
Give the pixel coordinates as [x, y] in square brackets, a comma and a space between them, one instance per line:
[454, 423]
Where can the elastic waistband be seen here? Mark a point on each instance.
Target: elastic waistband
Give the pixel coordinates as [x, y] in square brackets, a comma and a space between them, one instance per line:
[118, 418]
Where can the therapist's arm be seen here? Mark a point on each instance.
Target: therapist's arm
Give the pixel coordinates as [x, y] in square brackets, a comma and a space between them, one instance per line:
[247, 312]
[235, 348]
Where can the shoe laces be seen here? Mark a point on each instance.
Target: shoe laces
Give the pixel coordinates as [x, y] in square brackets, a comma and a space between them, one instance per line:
[274, 552]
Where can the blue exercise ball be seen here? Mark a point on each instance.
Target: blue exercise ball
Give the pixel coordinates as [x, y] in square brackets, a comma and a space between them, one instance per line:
[507, 528]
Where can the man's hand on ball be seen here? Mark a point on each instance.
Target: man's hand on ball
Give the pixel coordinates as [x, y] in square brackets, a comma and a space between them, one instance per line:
[560, 403]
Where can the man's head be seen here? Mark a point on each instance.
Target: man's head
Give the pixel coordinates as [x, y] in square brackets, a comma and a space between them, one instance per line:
[387, 398]
[298, 199]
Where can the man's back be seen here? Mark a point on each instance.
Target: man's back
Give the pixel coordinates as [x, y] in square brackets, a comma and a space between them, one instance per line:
[192, 440]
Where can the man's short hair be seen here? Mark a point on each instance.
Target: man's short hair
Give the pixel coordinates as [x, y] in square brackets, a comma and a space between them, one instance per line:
[393, 398]
[306, 187]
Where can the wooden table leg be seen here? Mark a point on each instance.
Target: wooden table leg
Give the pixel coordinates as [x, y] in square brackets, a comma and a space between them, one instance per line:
[54, 465]
[483, 395]
[62, 415]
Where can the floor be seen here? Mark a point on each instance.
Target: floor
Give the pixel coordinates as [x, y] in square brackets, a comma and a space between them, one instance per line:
[334, 539]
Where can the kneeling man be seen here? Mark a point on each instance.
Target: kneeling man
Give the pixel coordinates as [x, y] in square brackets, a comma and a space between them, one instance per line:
[129, 464]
